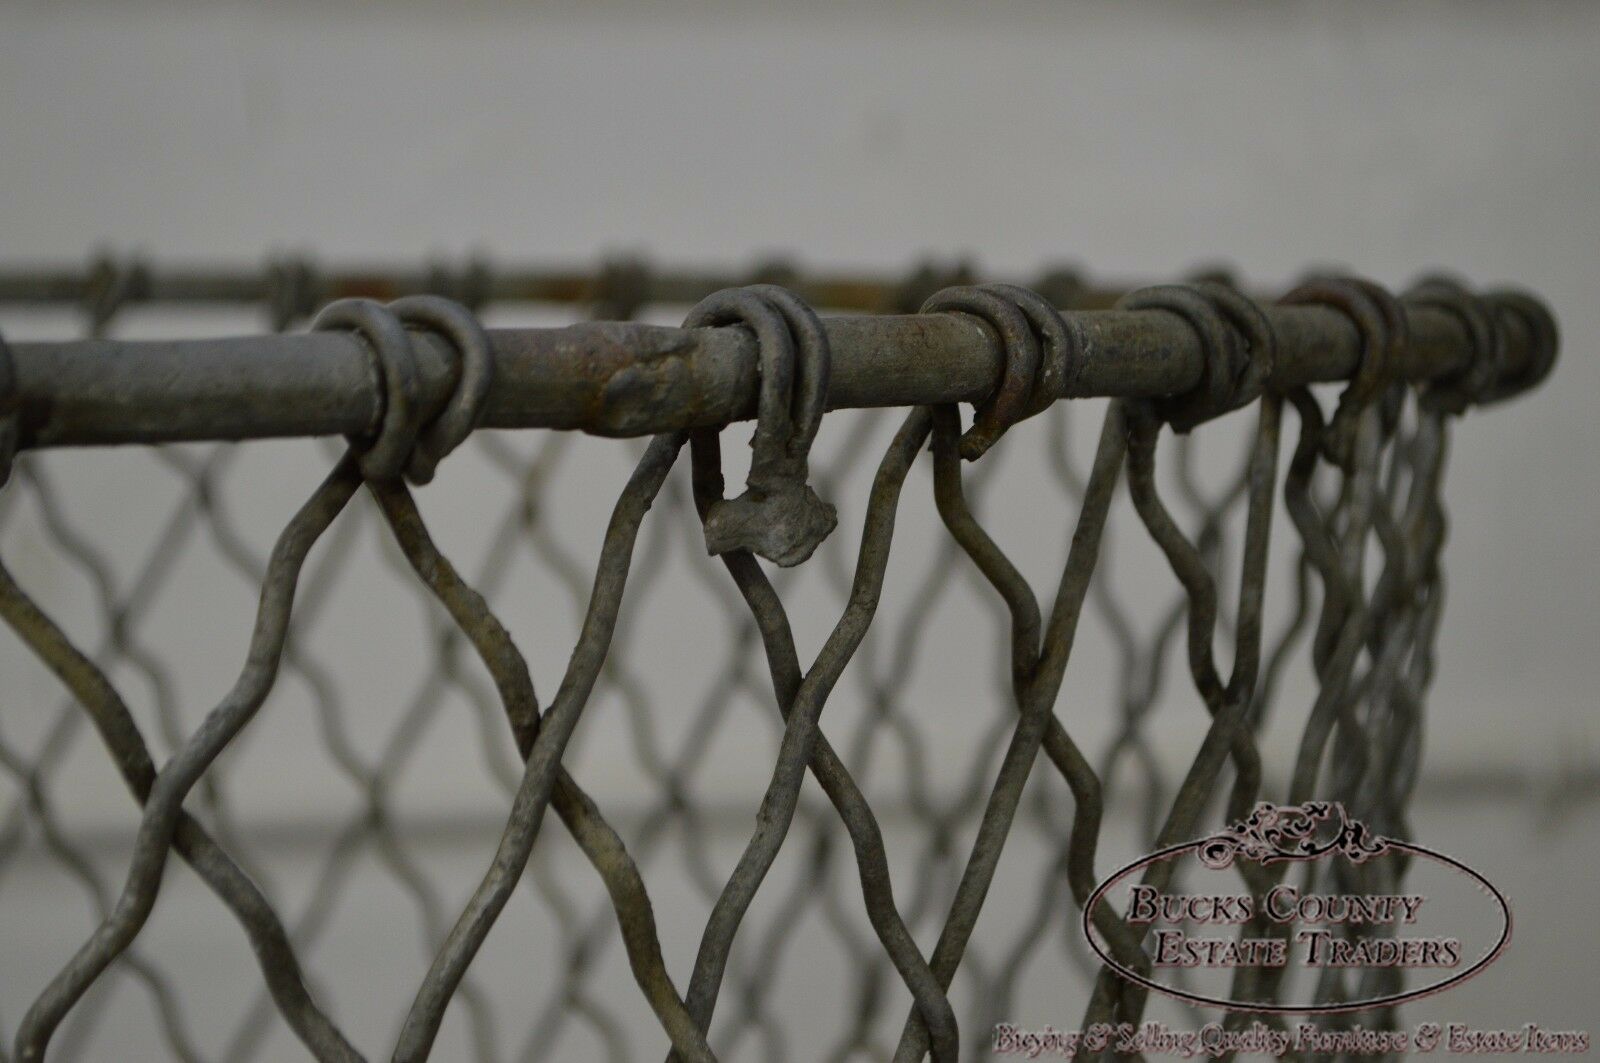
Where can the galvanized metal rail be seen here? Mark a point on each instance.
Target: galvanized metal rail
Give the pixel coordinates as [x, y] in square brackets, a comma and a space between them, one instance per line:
[299, 283]
[626, 379]
[1371, 641]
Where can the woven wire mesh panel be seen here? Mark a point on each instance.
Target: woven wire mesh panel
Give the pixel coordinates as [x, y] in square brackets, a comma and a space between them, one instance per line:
[1100, 637]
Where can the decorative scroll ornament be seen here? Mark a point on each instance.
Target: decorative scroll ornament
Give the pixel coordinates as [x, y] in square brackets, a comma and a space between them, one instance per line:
[1274, 833]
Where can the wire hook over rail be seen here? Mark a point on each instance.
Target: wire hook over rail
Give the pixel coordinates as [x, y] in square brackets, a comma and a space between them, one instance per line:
[626, 379]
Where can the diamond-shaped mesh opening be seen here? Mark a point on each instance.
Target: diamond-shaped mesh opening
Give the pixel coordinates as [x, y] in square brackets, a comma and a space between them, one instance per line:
[972, 761]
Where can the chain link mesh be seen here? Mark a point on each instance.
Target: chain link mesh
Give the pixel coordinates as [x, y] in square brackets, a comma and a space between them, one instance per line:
[886, 830]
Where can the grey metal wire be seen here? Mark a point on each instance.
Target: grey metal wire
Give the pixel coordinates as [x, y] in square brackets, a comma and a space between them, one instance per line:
[1379, 460]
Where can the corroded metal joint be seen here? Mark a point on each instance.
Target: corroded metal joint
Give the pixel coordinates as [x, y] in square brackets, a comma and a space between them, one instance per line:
[406, 440]
[779, 517]
[1379, 319]
[1454, 394]
[1041, 355]
[1238, 346]
[1544, 339]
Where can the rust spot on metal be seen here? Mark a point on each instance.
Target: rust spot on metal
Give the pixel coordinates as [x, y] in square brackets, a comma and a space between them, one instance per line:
[649, 374]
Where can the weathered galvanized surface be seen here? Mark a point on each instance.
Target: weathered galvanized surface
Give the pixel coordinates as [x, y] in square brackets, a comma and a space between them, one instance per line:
[1361, 485]
[623, 379]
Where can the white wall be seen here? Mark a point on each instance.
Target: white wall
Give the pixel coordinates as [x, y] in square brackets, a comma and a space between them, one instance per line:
[1139, 141]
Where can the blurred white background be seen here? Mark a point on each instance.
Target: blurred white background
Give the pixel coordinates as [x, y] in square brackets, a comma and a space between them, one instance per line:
[1140, 142]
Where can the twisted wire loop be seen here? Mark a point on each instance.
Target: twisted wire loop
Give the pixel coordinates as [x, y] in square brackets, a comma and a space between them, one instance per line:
[1540, 324]
[1381, 321]
[1335, 545]
[1041, 356]
[1472, 385]
[524, 524]
[1039, 659]
[1237, 344]
[1038, 654]
[779, 515]
[1390, 489]
[1211, 305]
[1374, 653]
[1228, 325]
[402, 443]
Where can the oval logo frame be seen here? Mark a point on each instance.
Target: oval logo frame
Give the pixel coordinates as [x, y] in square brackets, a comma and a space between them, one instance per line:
[1275, 834]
